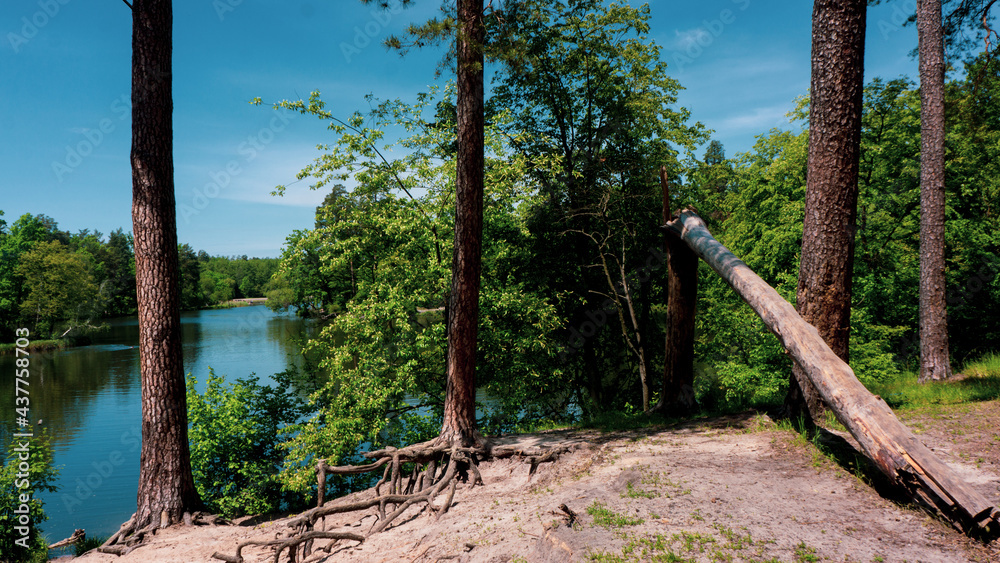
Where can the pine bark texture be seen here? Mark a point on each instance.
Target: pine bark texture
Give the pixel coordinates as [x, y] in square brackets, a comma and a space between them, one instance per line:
[677, 396]
[166, 486]
[463, 309]
[825, 271]
[934, 357]
[883, 438]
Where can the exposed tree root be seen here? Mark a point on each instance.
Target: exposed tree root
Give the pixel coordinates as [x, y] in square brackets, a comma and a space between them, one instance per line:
[437, 467]
[129, 537]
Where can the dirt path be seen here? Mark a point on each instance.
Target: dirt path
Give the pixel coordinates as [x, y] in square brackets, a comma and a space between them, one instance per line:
[730, 489]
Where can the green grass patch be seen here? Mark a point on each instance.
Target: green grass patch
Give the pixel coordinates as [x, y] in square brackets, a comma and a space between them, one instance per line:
[805, 554]
[36, 346]
[905, 392]
[635, 492]
[607, 518]
[985, 367]
[689, 547]
[655, 548]
[88, 544]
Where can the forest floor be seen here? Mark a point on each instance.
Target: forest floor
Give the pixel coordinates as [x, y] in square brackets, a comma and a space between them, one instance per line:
[736, 488]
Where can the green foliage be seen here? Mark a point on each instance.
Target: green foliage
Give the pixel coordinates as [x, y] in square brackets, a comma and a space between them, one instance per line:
[872, 357]
[190, 278]
[747, 385]
[216, 287]
[582, 117]
[119, 267]
[223, 278]
[14, 483]
[60, 286]
[378, 264]
[593, 101]
[760, 220]
[234, 433]
[103, 274]
[27, 230]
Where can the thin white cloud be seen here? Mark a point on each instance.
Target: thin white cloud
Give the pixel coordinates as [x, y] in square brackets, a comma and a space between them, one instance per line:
[684, 39]
[758, 119]
[250, 176]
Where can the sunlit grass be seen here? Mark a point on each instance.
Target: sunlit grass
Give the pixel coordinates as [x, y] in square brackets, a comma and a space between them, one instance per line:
[981, 383]
[987, 366]
[603, 516]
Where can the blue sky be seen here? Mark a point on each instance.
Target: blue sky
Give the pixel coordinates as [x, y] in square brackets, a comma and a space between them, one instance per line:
[65, 118]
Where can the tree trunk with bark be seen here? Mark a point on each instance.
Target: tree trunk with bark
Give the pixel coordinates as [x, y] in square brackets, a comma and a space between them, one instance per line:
[677, 396]
[934, 359]
[825, 271]
[463, 309]
[166, 487]
[889, 444]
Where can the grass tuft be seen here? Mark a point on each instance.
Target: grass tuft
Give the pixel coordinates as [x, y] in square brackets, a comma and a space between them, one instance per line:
[607, 518]
[985, 367]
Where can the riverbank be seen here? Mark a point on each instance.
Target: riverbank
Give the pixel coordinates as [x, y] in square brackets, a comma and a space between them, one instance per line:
[244, 302]
[38, 346]
[733, 488]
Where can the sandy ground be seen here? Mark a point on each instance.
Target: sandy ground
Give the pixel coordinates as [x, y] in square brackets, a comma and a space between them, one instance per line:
[728, 489]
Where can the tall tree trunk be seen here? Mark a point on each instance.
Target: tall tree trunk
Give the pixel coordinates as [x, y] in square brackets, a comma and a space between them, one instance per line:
[934, 360]
[166, 487]
[463, 309]
[825, 272]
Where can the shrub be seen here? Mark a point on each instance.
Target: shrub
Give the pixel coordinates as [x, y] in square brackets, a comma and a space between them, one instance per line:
[234, 435]
[749, 386]
[871, 349]
[41, 474]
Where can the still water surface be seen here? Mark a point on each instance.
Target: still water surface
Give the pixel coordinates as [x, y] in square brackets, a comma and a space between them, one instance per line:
[88, 398]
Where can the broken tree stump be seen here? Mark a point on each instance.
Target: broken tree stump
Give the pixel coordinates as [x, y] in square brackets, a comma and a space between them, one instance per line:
[677, 393]
[883, 438]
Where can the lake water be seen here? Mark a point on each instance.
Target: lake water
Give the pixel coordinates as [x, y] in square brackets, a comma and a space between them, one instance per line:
[88, 398]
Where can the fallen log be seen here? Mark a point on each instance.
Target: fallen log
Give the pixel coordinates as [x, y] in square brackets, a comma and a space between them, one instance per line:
[882, 437]
[78, 536]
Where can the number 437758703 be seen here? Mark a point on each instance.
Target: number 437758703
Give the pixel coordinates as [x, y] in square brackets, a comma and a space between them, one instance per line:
[21, 363]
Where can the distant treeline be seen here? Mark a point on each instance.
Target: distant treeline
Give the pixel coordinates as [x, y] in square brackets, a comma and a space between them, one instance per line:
[58, 283]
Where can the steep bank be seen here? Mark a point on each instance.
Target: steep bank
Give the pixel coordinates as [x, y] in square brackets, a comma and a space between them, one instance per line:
[726, 489]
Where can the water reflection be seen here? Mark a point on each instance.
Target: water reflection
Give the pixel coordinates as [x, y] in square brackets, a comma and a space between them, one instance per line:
[89, 400]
